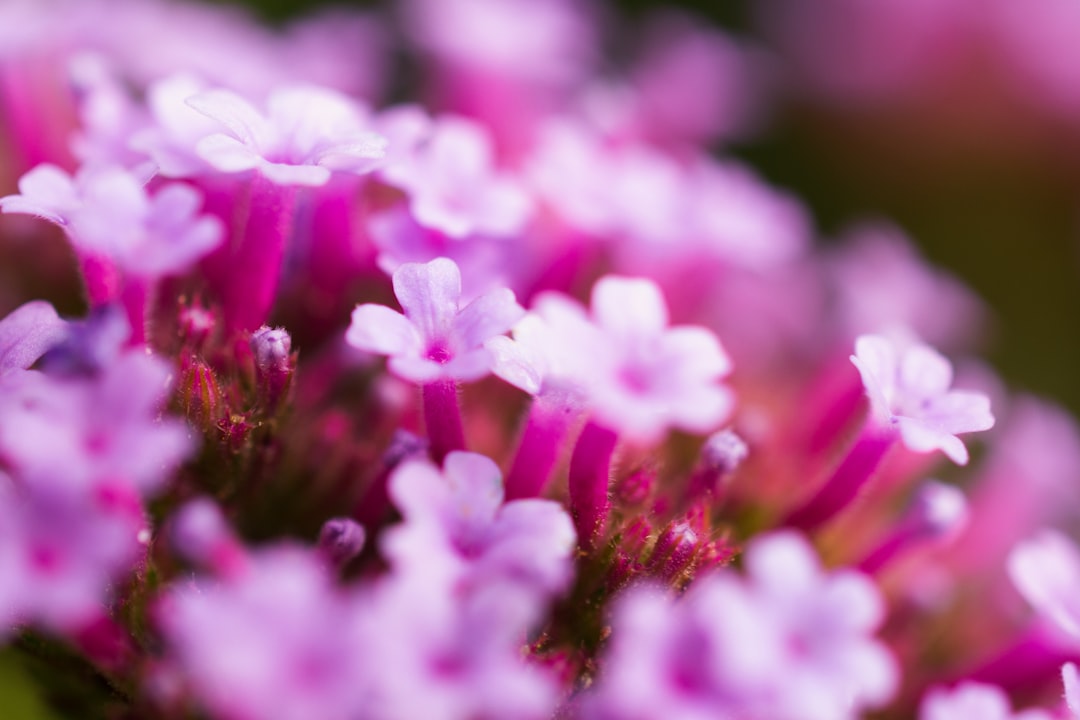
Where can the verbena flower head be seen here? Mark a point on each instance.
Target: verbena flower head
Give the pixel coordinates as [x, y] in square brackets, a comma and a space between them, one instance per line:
[107, 212]
[909, 388]
[306, 134]
[438, 336]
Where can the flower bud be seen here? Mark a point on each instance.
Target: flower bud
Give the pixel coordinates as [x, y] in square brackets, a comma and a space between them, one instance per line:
[340, 540]
[272, 348]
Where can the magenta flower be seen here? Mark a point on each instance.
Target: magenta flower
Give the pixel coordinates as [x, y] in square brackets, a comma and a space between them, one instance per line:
[909, 390]
[973, 700]
[306, 134]
[27, 333]
[107, 212]
[459, 513]
[437, 337]
[453, 185]
[651, 377]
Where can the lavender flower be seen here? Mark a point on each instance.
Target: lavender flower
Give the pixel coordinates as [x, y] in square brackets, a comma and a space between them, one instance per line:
[437, 336]
[107, 212]
[909, 389]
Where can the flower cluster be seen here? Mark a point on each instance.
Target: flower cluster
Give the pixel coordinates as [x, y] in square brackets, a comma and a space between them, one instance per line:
[511, 403]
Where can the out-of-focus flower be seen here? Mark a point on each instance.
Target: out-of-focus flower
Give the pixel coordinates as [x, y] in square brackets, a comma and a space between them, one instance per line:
[1046, 571]
[973, 700]
[108, 213]
[788, 641]
[306, 134]
[453, 185]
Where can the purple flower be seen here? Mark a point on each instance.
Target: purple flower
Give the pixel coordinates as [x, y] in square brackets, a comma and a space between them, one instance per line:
[909, 389]
[453, 186]
[459, 513]
[107, 212]
[787, 642]
[439, 655]
[27, 333]
[276, 641]
[104, 432]
[973, 700]
[306, 134]
[61, 553]
[436, 337]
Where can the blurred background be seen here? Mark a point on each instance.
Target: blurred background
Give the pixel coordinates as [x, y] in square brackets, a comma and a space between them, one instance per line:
[957, 119]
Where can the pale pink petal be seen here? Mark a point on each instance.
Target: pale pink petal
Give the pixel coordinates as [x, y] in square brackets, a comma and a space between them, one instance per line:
[629, 306]
[921, 437]
[515, 364]
[429, 294]
[491, 314]
[1046, 571]
[239, 116]
[379, 329]
[1070, 678]
[227, 154]
[924, 371]
[286, 174]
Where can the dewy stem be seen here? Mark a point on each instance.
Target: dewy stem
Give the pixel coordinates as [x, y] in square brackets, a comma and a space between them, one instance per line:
[442, 415]
[850, 477]
[541, 444]
[590, 474]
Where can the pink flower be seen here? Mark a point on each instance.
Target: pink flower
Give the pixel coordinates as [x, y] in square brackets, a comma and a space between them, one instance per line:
[909, 389]
[650, 377]
[103, 432]
[453, 185]
[306, 134]
[973, 700]
[459, 513]
[786, 642]
[62, 553]
[107, 212]
[276, 641]
[1046, 571]
[436, 337]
